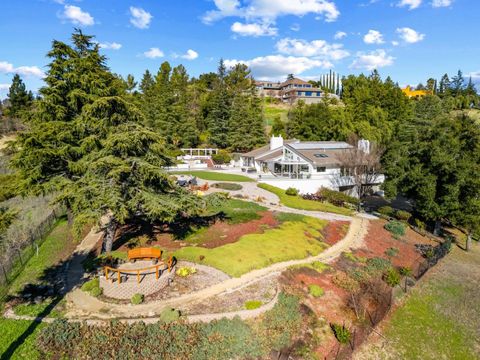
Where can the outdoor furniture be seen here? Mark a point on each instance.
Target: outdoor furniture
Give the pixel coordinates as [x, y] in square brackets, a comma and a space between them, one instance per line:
[122, 274]
[144, 253]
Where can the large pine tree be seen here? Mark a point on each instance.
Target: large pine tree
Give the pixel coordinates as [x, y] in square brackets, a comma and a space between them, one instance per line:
[18, 97]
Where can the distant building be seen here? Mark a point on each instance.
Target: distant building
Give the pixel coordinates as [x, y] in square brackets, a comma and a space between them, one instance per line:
[291, 91]
[415, 93]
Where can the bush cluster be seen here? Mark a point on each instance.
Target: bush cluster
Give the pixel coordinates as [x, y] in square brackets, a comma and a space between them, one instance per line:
[253, 304]
[186, 271]
[228, 186]
[315, 290]
[396, 228]
[222, 339]
[222, 157]
[93, 287]
[137, 299]
[392, 277]
[291, 191]
[336, 198]
[342, 334]
[386, 211]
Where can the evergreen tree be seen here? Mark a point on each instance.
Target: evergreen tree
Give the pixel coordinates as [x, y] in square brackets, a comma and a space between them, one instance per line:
[219, 115]
[457, 84]
[444, 87]
[19, 98]
[147, 82]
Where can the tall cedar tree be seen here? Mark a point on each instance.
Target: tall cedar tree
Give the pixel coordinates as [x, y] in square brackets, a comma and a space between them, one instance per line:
[219, 115]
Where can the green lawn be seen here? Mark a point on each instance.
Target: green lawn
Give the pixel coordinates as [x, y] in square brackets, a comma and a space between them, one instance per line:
[291, 240]
[17, 332]
[440, 317]
[214, 176]
[238, 211]
[297, 202]
[49, 253]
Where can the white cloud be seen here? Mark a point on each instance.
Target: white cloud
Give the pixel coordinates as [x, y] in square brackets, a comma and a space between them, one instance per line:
[4, 87]
[373, 37]
[77, 16]
[409, 35]
[412, 4]
[140, 18]
[295, 27]
[6, 67]
[395, 43]
[316, 48]
[28, 71]
[340, 35]
[154, 53]
[278, 66]
[267, 9]
[372, 60]
[110, 46]
[254, 29]
[441, 3]
[475, 75]
[190, 55]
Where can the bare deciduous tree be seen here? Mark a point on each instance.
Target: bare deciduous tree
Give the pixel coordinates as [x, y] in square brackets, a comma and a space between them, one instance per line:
[360, 166]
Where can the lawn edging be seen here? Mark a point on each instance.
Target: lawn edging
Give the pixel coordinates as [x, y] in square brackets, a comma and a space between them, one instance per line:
[214, 175]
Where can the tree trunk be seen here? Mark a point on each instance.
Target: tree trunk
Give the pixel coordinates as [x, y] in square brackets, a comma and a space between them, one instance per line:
[110, 231]
[468, 243]
[69, 216]
[437, 228]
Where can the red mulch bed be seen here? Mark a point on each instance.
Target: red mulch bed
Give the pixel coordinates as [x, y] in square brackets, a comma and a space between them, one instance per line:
[335, 231]
[379, 240]
[222, 233]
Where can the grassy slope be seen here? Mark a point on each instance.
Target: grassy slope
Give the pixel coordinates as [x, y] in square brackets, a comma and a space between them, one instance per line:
[11, 330]
[291, 240]
[49, 254]
[296, 202]
[440, 318]
[215, 176]
[272, 111]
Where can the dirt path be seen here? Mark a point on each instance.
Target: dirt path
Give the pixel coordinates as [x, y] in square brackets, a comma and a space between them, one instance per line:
[82, 305]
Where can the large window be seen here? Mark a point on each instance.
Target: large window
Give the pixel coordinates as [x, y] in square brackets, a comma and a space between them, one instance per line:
[308, 93]
[321, 169]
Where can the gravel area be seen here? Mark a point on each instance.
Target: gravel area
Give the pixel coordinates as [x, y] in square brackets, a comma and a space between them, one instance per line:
[263, 290]
[204, 277]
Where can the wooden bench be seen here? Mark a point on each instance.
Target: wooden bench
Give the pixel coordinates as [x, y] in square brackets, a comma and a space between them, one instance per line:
[144, 253]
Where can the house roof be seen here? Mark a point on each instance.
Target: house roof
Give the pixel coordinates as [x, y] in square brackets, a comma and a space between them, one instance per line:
[271, 155]
[320, 152]
[295, 81]
[265, 150]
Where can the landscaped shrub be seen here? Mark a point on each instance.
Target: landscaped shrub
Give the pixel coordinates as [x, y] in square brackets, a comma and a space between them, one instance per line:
[137, 299]
[291, 191]
[336, 197]
[342, 334]
[222, 157]
[392, 277]
[185, 271]
[403, 215]
[345, 282]
[253, 304]
[93, 287]
[386, 210]
[221, 340]
[315, 290]
[419, 224]
[169, 315]
[391, 252]
[396, 228]
[228, 186]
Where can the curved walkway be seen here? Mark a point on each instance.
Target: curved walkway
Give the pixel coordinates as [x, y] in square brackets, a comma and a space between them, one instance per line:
[86, 306]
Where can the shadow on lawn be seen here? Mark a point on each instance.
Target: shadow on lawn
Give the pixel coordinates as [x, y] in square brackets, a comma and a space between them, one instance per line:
[53, 285]
[178, 230]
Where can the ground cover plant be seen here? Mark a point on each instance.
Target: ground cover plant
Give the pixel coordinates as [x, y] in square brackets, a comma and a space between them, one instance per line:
[92, 287]
[290, 240]
[221, 339]
[252, 304]
[297, 202]
[214, 176]
[12, 331]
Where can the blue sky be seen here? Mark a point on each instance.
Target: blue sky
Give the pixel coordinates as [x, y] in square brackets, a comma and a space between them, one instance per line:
[410, 40]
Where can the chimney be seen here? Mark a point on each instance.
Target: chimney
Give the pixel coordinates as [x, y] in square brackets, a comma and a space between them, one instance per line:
[364, 145]
[276, 142]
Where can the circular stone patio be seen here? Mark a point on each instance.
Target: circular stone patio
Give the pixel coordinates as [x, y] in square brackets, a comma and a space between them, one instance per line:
[146, 284]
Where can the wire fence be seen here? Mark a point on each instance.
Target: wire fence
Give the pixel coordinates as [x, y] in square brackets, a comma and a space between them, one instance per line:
[15, 253]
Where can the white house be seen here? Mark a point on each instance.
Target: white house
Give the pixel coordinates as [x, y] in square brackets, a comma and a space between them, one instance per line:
[305, 165]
